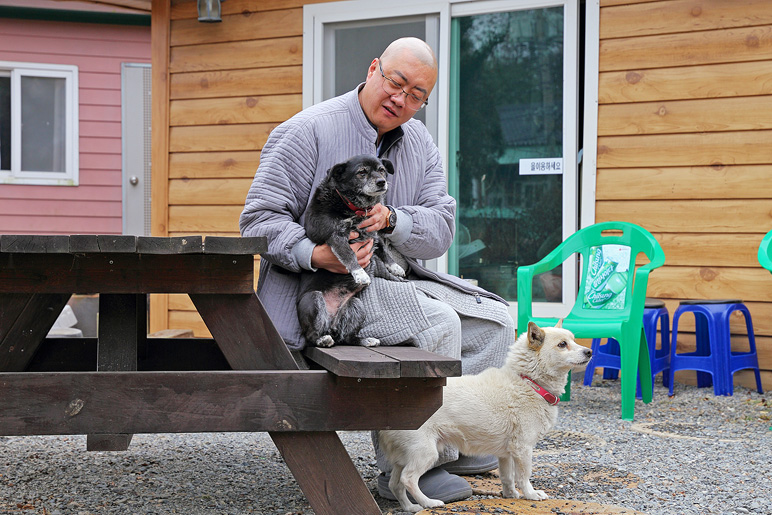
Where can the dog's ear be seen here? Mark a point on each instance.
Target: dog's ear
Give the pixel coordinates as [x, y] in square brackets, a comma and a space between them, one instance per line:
[535, 336]
[389, 166]
[559, 324]
[337, 171]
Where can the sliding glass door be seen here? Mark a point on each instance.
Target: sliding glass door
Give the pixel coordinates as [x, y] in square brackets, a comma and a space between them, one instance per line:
[506, 143]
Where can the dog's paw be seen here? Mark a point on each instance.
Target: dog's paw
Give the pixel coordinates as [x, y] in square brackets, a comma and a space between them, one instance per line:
[360, 277]
[434, 503]
[396, 270]
[325, 341]
[509, 493]
[369, 342]
[536, 495]
[412, 508]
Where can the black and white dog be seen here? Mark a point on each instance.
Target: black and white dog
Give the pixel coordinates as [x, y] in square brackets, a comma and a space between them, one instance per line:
[329, 309]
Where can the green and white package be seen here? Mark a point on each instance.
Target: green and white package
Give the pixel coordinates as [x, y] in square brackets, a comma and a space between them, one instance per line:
[604, 286]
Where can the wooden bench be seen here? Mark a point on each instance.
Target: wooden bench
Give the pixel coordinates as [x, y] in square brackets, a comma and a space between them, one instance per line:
[243, 379]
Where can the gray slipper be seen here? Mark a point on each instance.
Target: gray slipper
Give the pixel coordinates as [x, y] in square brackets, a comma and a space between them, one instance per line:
[470, 465]
[435, 483]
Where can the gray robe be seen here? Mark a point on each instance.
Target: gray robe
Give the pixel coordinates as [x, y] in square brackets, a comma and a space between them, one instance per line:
[293, 162]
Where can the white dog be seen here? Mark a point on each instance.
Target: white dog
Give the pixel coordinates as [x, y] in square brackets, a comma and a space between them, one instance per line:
[501, 411]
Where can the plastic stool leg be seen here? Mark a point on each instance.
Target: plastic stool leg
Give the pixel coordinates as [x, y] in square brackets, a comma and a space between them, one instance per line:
[673, 345]
[612, 347]
[741, 360]
[603, 356]
[706, 360]
[664, 329]
[589, 372]
[702, 333]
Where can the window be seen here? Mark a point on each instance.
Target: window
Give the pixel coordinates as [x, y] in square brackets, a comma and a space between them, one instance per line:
[38, 124]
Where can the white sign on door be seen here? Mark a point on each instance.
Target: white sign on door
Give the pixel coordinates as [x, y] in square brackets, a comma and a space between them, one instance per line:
[542, 166]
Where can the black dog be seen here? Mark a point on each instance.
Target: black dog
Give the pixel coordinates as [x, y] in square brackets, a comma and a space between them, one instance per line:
[328, 307]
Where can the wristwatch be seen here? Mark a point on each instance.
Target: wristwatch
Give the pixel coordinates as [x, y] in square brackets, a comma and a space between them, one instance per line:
[391, 221]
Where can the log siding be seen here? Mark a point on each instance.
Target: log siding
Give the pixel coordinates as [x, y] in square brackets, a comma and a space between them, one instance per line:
[228, 84]
[684, 105]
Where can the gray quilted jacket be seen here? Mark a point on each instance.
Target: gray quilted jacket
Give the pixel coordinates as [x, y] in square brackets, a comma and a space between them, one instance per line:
[294, 160]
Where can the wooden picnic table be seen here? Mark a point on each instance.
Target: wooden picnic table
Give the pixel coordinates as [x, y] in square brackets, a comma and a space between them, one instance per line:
[243, 379]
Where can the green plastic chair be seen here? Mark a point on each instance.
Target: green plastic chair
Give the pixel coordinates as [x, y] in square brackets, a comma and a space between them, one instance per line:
[765, 252]
[610, 302]
[765, 257]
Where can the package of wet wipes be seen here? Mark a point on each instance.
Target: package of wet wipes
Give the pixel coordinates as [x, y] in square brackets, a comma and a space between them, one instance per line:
[606, 281]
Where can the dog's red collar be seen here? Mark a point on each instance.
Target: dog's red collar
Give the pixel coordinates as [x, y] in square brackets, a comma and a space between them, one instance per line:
[357, 210]
[549, 397]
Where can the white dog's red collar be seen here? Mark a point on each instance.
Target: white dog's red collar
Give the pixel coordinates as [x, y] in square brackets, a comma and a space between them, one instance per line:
[549, 397]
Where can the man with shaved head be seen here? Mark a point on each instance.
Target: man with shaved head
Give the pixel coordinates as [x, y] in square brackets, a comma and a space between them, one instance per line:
[404, 56]
[432, 310]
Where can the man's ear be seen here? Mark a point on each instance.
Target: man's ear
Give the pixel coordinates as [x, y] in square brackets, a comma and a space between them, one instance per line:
[535, 336]
[389, 166]
[372, 69]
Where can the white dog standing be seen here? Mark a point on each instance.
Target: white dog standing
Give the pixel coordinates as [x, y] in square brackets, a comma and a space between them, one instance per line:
[501, 411]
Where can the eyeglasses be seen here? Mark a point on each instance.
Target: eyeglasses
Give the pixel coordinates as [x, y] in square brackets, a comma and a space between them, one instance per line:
[393, 87]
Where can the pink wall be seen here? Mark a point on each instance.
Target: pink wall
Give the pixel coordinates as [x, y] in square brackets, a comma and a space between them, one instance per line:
[93, 207]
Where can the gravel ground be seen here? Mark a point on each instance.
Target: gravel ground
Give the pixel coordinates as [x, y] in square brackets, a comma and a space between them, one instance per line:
[690, 454]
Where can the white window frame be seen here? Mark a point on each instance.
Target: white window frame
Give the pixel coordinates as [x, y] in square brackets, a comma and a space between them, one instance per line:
[69, 73]
[590, 133]
[316, 16]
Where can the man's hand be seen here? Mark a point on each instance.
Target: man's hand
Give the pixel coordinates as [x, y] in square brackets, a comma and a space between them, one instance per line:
[322, 256]
[377, 218]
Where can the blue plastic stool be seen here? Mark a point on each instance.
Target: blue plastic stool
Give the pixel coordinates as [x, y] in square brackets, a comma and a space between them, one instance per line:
[713, 358]
[607, 355]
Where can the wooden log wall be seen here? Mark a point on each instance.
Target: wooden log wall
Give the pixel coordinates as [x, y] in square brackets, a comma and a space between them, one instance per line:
[228, 85]
[684, 131]
[685, 98]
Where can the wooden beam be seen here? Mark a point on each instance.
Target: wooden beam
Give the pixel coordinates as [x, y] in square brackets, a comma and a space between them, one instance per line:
[349, 361]
[254, 343]
[126, 273]
[28, 319]
[348, 497]
[47, 403]
[415, 362]
[159, 208]
[383, 362]
[159, 354]
[122, 330]
[695, 216]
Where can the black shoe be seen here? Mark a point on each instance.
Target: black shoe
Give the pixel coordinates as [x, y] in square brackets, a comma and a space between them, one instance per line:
[471, 465]
[436, 483]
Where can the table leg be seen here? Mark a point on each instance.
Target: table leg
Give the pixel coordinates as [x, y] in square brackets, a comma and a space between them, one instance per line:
[244, 331]
[324, 470]
[122, 328]
[25, 319]
[318, 460]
